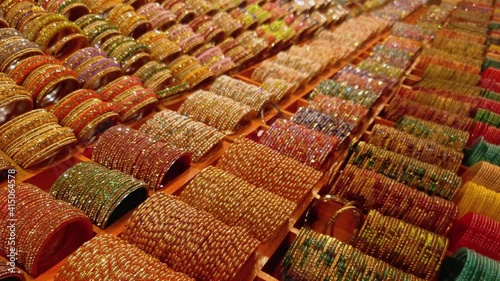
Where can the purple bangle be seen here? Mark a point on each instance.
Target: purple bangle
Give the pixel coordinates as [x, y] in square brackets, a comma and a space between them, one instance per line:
[95, 68]
[83, 55]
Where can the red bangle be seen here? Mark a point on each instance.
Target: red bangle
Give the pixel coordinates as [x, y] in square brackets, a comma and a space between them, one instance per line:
[68, 103]
[118, 86]
[28, 65]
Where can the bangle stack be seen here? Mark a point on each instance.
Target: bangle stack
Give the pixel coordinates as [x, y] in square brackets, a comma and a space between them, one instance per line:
[388, 239]
[228, 24]
[45, 237]
[127, 52]
[207, 28]
[14, 100]
[86, 114]
[467, 265]
[155, 75]
[128, 21]
[185, 37]
[265, 168]
[481, 150]
[191, 241]
[390, 198]
[485, 174]
[478, 199]
[406, 170]
[345, 91]
[242, 92]
[216, 61]
[160, 18]
[488, 117]
[315, 256]
[251, 41]
[440, 134]
[131, 100]
[299, 142]
[476, 232]
[238, 203]
[440, 102]
[114, 258]
[271, 69]
[195, 137]
[103, 195]
[71, 9]
[234, 50]
[137, 154]
[322, 122]
[182, 12]
[93, 67]
[421, 149]
[279, 87]
[14, 48]
[160, 47]
[7, 273]
[187, 69]
[345, 111]
[97, 29]
[223, 113]
[35, 139]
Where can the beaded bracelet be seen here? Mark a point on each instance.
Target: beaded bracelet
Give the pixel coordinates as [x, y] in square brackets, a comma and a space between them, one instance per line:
[60, 230]
[99, 192]
[215, 252]
[443, 135]
[466, 264]
[114, 258]
[390, 198]
[140, 156]
[406, 170]
[265, 168]
[410, 248]
[477, 199]
[238, 203]
[315, 256]
[299, 142]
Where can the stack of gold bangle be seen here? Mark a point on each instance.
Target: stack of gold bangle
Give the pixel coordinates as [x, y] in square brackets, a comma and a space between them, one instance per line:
[14, 48]
[485, 174]
[204, 26]
[252, 42]
[298, 63]
[279, 87]
[86, 114]
[406, 170]
[93, 67]
[187, 69]
[46, 230]
[155, 75]
[192, 241]
[131, 100]
[110, 256]
[71, 9]
[160, 47]
[235, 51]
[410, 248]
[195, 137]
[274, 70]
[96, 28]
[265, 168]
[160, 18]
[242, 92]
[314, 257]
[478, 199]
[5, 166]
[99, 192]
[229, 25]
[202, 7]
[14, 100]
[17, 13]
[139, 155]
[36, 139]
[220, 112]
[237, 202]
[242, 15]
[448, 104]
[102, 6]
[50, 82]
[185, 37]
[56, 35]
[129, 21]
[127, 52]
